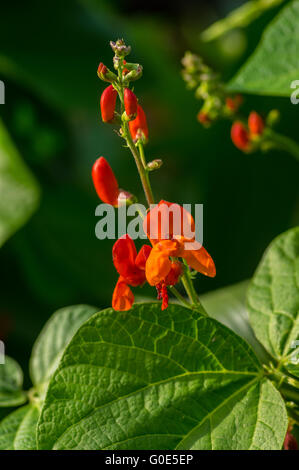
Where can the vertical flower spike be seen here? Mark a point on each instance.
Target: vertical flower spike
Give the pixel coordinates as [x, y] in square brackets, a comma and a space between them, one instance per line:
[108, 102]
[255, 123]
[240, 136]
[131, 104]
[105, 182]
[138, 127]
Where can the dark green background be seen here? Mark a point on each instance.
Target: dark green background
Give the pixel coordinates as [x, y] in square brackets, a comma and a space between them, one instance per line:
[49, 53]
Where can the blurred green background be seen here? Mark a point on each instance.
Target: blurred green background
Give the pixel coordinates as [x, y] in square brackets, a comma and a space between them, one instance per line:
[49, 53]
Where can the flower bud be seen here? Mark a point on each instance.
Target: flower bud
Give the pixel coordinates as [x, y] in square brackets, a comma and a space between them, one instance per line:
[131, 103]
[273, 117]
[105, 182]
[233, 102]
[138, 127]
[255, 123]
[155, 164]
[203, 118]
[125, 198]
[119, 48]
[134, 74]
[108, 102]
[105, 74]
[240, 136]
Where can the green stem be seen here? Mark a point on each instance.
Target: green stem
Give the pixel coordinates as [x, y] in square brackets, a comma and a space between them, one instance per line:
[294, 414]
[189, 287]
[142, 172]
[176, 293]
[290, 393]
[283, 143]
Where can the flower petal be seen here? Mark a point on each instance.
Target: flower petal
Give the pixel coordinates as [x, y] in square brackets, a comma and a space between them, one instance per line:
[123, 297]
[142, 256]
[157, 267]
[158, 263]
[174, 274]
[201, 261]
[167, 220]
[124, 254]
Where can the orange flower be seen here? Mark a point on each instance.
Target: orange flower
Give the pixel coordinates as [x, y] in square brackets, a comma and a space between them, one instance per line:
[171, 229]
[131, 270]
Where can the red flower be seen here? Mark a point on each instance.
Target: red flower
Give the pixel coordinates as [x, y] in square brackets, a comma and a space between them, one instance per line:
[131, 270]
[130, 102]
[138, 127]
[105, 182]
[108, 102]
[256, 123]
[240, 136]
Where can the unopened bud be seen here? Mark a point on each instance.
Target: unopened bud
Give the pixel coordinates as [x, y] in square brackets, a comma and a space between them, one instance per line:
[204, 118]
[256, 124]
[130, 103]
[119, 48]
[133, 74]
[273, 117]
[105, 74]
[155, 164]
[240, 136]
[125, 198]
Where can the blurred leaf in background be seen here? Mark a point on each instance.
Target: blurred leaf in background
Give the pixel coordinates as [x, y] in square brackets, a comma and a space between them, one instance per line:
[18, 188]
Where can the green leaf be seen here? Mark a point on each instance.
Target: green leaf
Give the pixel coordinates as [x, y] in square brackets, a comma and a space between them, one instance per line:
[228, 305]
[18, 188]
[18, 430]
[152, 379]
[274, 65]
[273, 297]
[53, 339]
[11, 381]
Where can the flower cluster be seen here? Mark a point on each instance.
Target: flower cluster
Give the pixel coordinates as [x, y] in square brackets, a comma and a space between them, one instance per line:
[173, 250]
[160, 263]
[249, 135]
[217, 103]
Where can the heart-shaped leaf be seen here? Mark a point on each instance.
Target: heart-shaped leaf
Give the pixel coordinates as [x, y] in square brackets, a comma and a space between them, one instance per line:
[152, 379]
